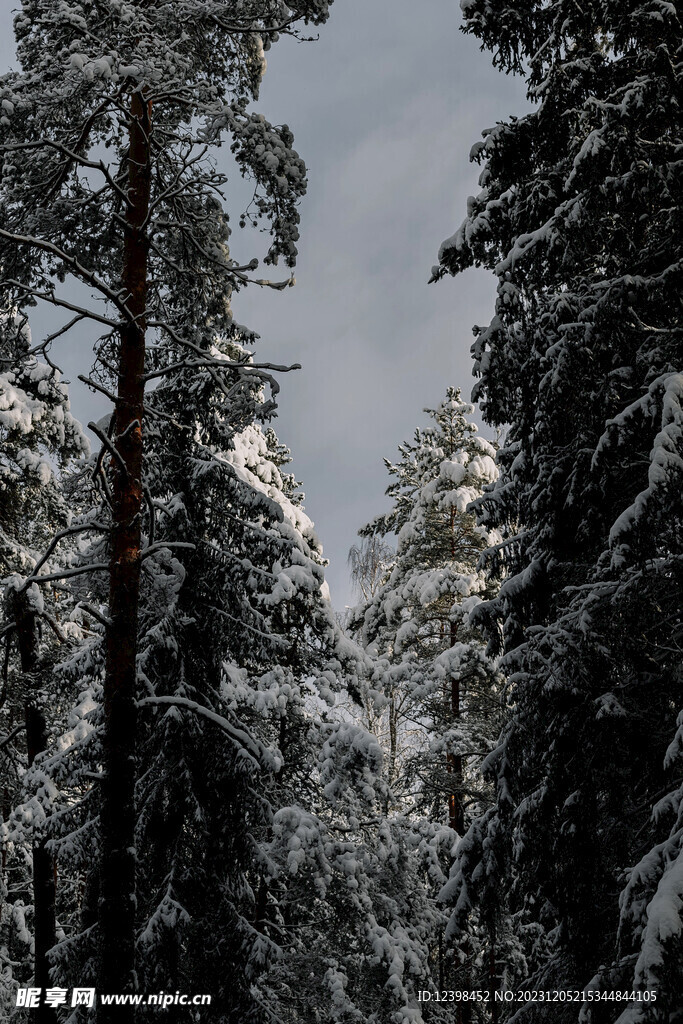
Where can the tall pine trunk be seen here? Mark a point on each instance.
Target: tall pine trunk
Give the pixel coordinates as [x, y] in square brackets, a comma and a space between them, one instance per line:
[43, 866]
[117, 816]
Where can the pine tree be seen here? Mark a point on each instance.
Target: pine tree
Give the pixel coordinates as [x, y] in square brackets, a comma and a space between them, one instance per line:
[137, 232]
[579, 218]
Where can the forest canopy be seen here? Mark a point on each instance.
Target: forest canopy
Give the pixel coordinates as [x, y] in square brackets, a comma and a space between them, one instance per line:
[461, 798]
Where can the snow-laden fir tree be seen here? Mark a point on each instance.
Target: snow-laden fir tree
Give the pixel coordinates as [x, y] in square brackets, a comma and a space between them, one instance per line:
[443, 691]
[419, 618]
[107, 180]
[579, 217]
[325, 922]
[38, 436]
[247, 624]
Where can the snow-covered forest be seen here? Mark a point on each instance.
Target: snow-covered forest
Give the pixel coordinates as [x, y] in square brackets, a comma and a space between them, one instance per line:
[222, 799]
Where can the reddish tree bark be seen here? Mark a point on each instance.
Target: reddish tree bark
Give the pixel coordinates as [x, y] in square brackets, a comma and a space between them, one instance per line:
[117, 815]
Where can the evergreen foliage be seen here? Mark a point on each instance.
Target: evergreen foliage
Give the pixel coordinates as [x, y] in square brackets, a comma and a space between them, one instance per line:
[443, 692]
[186, 802]
[107, 180]
[418, 619]
[579, 217]
[260, 812]
[38, 434]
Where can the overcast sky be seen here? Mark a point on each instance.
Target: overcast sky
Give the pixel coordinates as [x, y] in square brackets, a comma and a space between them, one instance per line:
[384, 107]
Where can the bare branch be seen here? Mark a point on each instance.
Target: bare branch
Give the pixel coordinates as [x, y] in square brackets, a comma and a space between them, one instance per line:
[88, 276]
[8, 739]
[98, 387]
[69, 531]
[106, 443]
[52, 623]
[94, 612]
[49, 296]
[68, 573]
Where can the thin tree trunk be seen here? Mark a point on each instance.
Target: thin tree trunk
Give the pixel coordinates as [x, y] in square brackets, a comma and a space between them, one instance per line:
[44, 894]
[117, 815]
[456, 812]
[493, 973]
[393, 738]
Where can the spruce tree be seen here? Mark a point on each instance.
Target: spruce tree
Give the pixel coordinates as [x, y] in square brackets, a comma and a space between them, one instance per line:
[443, 691]
[245, 623]
[419, 619]
[579, 218]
